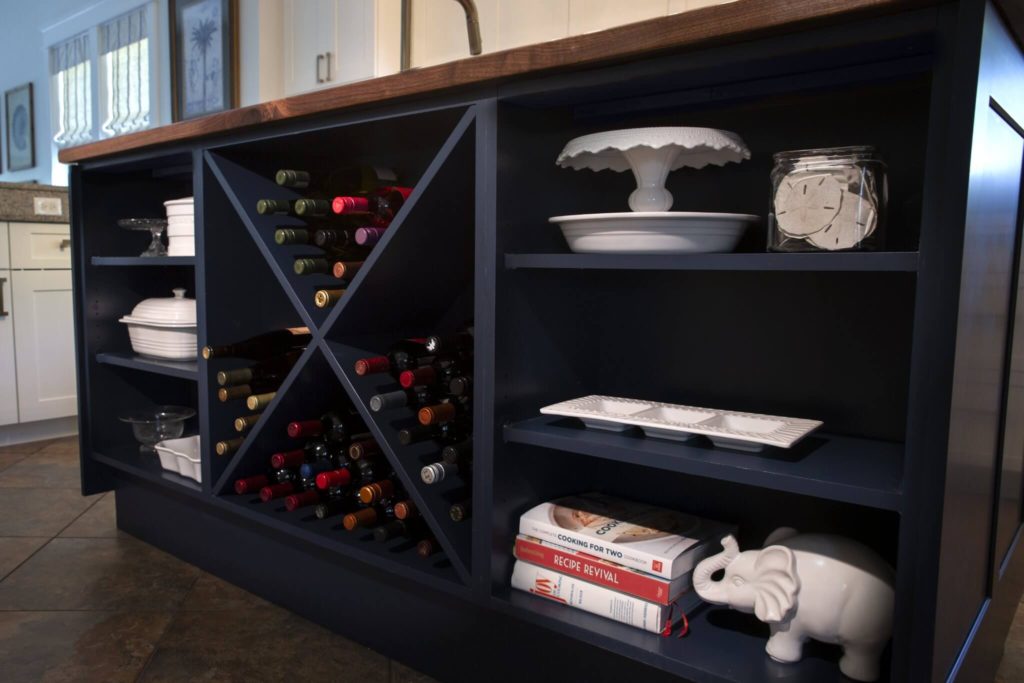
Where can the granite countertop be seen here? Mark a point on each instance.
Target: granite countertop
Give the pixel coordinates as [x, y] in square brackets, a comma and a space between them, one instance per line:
[18, 202]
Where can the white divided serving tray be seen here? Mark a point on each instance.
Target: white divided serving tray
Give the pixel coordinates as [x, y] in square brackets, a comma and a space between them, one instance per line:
[727, 429]
[181, 456]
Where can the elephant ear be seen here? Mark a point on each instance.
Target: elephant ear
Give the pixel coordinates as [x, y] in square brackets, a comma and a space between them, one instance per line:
[776, 583]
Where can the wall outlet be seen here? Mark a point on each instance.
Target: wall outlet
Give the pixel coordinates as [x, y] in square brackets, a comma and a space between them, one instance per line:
[47, 206]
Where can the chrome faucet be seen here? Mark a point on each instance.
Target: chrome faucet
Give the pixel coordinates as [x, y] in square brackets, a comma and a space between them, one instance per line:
[472, 30]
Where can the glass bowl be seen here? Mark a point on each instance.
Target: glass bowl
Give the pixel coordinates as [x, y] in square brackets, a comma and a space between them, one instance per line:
[156, 424]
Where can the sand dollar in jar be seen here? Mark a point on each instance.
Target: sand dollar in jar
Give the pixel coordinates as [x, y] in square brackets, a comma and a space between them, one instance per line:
[830, 199]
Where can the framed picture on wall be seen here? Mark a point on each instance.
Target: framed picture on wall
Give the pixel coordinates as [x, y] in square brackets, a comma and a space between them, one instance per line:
[21, 139]
[204, 57]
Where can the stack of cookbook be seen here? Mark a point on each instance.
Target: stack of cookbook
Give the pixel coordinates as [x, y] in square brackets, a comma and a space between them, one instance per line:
[619, 559]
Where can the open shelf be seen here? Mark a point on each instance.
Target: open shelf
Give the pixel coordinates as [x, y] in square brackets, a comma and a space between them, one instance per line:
[722, 646]
[143, 260]
[180, 369]
[850, 470]
[883, 261]
[129, 459]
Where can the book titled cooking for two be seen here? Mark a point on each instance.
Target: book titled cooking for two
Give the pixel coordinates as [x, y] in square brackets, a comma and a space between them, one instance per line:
[623, 560]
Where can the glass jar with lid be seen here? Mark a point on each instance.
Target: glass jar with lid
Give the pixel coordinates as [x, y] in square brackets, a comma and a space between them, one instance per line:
[828, 199]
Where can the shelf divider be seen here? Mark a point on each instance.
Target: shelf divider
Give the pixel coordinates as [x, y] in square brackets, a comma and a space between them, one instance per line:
[846, 469]
[143, 260]
[881, 261]
[182, 369]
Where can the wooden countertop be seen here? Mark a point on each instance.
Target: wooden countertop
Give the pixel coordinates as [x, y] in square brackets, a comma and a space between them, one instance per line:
[719, 23]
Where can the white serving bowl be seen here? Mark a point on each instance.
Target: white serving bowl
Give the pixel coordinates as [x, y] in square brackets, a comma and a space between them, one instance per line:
[164, 327]
[180, 207]
[654, 232]
[181, 456]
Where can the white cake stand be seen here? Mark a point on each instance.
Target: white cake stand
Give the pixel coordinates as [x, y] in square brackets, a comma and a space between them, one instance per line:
[651, 153]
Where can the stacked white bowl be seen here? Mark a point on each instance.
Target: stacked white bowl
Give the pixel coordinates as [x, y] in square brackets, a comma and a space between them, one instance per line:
[181, 230]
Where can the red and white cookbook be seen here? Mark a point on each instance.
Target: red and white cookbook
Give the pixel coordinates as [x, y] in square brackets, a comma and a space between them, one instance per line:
[602, 572]
[598, 600]
[654, 540]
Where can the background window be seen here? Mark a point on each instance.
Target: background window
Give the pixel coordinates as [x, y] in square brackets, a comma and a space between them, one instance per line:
[71, 84]
[124, 56]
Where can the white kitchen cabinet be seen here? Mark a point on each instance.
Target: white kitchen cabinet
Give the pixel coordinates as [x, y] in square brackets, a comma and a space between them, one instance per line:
[41, 305]
[40, 245]
[330, 42]
[8, 376]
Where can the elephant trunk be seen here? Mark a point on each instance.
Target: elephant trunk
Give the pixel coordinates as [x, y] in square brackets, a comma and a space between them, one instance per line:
[707, 589]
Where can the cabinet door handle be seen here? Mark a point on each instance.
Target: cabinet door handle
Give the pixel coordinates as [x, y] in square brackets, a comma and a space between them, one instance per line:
[319, 61]
[328, 56]
[3, 311]
[64, 244]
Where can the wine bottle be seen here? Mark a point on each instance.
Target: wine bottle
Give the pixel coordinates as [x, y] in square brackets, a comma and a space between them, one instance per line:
[368, 517]
[427, 547]
[225, 394]
[293, 458]
[460, 342]
[338, 181]
[346, 270]
[251, 484]
[437, 373]
[396, 528]
[377, 491]
[458, 452]
[324, 298]
[415, 396]
[384, 203]
[302, 499]
[368, 236]
[259, 401]
[338, 427]
[333, 503]
[459, 512]
[246, 422]
[336, 478]
[446, 411]
[363, 448]
[405, 509]
[404, 355]
[460, 385]
[311, 265]
[265, 207]
[437, 472]
[312, 207]
[228, 445]
[334, 239]
[284, 482]
[263, 346]
[284, 236]
[447, 432]
[269, 371]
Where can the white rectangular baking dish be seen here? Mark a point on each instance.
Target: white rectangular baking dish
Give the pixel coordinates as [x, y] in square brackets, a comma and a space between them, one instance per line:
[726, 429]
[181, 456]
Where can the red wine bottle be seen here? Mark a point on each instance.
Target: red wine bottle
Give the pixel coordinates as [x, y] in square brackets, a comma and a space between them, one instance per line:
[383, 204]
[415, 396]
[427, 547]
[437, 373]
[404, 355]
[251, 484]
[363, 448]
[269, 371]
[287, 483]
[335, 426]
[263, 346]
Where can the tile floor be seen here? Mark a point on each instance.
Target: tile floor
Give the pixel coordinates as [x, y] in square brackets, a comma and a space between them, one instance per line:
[81, 602]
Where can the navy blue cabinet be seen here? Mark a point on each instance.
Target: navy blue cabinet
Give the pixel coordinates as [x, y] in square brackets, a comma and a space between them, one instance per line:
[911, 356]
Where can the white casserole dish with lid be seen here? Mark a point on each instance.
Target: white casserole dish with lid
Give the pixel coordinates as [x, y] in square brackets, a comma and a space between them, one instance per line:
[164, 327]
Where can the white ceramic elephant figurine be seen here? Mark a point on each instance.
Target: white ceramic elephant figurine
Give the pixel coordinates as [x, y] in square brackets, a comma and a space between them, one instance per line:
[819, 586]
